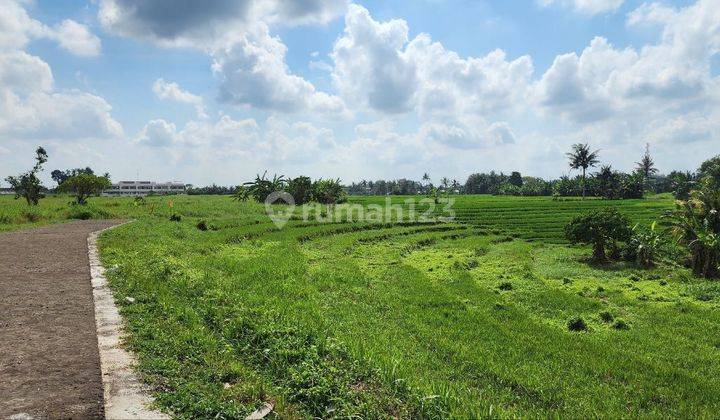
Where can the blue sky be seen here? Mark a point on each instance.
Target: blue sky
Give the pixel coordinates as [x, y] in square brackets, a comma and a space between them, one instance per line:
[370, 89]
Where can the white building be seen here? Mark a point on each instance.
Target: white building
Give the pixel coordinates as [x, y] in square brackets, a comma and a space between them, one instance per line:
[143, 188]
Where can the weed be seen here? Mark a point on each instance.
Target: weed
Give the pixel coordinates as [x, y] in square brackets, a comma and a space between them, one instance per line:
[621, 324]
[606, 316]
[506, 285]
[577, 324]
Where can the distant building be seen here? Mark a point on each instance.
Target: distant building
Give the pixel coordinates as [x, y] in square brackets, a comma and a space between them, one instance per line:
[143, 188]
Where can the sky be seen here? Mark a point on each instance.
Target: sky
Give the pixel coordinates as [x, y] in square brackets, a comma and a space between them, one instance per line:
[218, 91]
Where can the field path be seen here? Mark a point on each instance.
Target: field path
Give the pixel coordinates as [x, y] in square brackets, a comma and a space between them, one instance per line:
[49, 361]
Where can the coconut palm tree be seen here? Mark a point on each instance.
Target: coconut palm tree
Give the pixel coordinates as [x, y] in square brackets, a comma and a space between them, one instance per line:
[646, 166]
[582, 158]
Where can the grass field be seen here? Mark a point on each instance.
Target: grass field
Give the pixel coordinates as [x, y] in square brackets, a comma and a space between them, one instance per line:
[450, 319]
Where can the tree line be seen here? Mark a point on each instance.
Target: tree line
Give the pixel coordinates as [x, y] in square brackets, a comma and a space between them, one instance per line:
[606, 182]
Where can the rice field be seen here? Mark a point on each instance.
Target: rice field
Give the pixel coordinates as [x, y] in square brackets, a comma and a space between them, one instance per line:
[404, 318]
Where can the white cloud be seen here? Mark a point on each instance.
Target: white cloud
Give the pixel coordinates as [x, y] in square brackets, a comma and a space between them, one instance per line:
[158, 133]
[220, 136]
[253, 72]
[587, 7]
[377, 66]
[172, 91]
[671, 76]
[77, 39]
[23, 73]
[30, 106]
[247, 59]
[17, 28]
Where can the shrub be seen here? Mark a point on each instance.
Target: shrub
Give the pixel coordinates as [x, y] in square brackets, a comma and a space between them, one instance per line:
[695, 223]
[606, 316]
[600, 228]
[506, 285]
[30, 216]
[175, 218]
[621, 324]
[644, 245]
[328, 191]
[262, 187]
[577, 324]
[301, 188]
[241, 193]
[86, 213]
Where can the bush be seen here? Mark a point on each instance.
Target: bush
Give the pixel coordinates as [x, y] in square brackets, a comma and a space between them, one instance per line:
[506, 285]
[620, 324]
[696, 225]
[602, 229]
[577, 324]
[262, 187]
[606, 316]
[301, 188]
[328, 191]
[644, 246]
[86, 213]
[175, 218]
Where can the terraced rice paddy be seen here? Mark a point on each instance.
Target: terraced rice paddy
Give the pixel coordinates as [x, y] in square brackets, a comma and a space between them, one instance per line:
[535, 218]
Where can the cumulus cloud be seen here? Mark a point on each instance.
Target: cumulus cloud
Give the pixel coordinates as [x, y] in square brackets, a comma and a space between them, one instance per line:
[17, 28]
[172, 91]
[587, 7]
[605, 82]
[248, 61]
[30, 106]
[377, 66]
[77, 39]
[158, 133]
[253, 72]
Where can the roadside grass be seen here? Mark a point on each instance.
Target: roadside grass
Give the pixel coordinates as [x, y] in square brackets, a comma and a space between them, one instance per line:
[408, 320]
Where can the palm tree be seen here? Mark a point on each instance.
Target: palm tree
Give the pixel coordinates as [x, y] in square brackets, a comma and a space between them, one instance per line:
[581, 157]
[426, 181]
[646, 166]
[445, 182]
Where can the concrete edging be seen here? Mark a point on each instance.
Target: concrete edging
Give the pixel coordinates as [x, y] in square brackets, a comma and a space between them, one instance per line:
[125, 397]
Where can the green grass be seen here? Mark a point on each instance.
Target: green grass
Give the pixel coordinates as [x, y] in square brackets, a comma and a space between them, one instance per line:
[410, 320]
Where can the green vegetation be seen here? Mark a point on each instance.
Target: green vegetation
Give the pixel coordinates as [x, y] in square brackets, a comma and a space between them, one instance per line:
[601, 229]
[493, 315]
[696, 225]
[83, 185]
[582, 158]
[407, 319]
[27, 185]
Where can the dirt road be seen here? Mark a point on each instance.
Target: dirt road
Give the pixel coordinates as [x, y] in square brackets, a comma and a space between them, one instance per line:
[49, 362]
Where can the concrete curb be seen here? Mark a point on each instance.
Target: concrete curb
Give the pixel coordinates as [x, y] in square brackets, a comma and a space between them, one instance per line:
[125, 396]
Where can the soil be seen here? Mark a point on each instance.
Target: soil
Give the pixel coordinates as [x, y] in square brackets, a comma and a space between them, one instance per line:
[49, 361]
